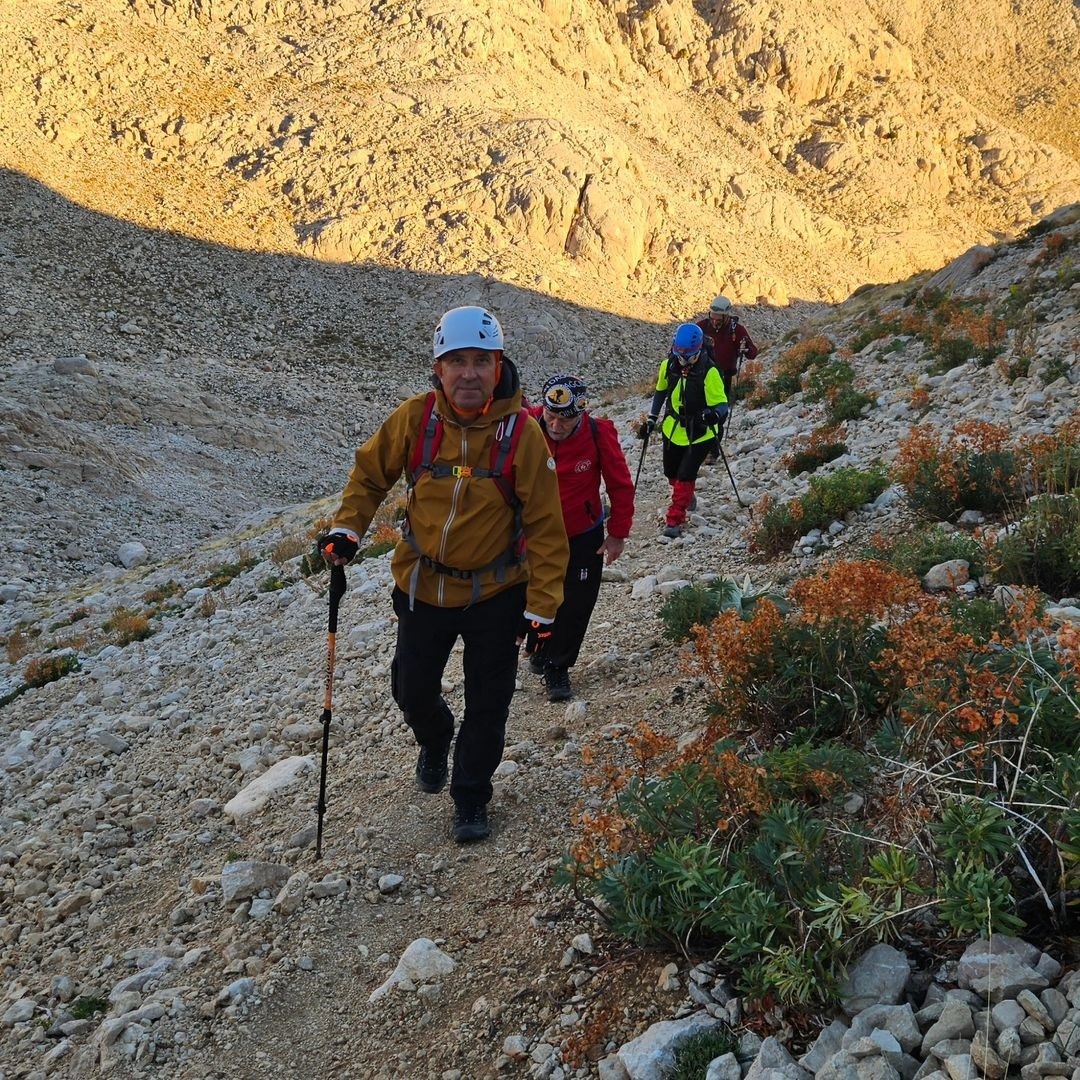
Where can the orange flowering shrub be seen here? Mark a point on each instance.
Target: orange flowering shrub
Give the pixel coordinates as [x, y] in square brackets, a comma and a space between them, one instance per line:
[822, 444]
[1052, 462]
[975, 468]
[804, 355]
[729, 839]
[919, 399]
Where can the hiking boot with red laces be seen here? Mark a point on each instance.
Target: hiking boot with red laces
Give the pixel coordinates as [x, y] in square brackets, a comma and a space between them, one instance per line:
[558, 685]
[431, 769]
[471, 824]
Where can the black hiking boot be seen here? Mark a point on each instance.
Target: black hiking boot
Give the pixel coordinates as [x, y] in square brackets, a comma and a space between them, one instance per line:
[673, 532]
[558, 684]
[471, 824]
[536, 665]
[431, 769]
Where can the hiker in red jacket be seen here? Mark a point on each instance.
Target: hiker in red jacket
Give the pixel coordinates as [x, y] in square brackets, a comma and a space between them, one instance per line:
[586, 451]
[730, 342]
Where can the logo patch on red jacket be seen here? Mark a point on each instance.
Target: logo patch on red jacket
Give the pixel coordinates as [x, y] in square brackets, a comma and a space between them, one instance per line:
[583, 466]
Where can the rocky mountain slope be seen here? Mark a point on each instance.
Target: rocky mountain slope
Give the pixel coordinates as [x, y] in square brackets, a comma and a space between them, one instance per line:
[227, 228]
[637, 157]
[158, 921]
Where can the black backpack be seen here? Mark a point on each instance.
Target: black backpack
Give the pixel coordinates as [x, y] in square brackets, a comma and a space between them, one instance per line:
[693, 402]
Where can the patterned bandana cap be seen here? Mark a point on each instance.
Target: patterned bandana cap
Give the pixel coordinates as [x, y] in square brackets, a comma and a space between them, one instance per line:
[565, 395]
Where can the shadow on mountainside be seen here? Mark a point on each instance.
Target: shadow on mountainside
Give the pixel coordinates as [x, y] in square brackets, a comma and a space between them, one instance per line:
[217, 382]
[223, 381]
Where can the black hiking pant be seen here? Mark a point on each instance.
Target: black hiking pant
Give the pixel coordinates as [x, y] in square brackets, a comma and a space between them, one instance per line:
[581, 587]
[684, 462]
[425, 637]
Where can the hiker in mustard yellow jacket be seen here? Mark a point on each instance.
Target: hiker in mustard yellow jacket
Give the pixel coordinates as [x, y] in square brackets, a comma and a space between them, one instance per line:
[482, 555]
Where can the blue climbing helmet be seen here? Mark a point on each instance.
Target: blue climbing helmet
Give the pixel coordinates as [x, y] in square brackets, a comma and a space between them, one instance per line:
[686, 344]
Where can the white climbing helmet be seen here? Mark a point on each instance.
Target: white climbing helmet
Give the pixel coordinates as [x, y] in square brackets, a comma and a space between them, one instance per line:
[467, 328]
[720, 306]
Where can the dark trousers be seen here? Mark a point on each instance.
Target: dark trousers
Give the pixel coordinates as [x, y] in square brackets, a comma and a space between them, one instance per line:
[424, 639]
[684, 462]
[581, 587]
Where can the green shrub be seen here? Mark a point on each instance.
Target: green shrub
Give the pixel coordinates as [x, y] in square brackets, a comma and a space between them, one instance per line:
[978, 900]
[782, 386]
[812, 458]
[973, 830]
[1044, 550]
[823, 382]
[848, 404]
[84, 1008]
[951, 352]
[979, 617]
[221, 575]
[374, 550]
[693, 1056]
[736, 842]
[273, 583]
[161, 593]
[829, 499]
[873, 330]
[916, 552]
[698, 605]
[974, 469]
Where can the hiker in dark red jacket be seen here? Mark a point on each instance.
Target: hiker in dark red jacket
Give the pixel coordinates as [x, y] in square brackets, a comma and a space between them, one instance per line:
[729, 340]
[586, 450]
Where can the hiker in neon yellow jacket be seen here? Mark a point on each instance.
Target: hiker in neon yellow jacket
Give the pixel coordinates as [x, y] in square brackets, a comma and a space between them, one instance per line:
[691, 391]
[482, 556]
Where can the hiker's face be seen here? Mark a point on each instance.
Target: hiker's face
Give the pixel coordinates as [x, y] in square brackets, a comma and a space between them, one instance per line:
[468, 377]
[719, 321]
[560, 426]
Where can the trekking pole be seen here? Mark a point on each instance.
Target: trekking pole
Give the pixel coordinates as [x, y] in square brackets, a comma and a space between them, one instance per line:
[337, 591]
[734, 384]
[723, 457]
[641, 460]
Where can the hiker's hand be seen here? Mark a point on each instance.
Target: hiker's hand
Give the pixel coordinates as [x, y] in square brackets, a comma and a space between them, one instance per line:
[339, 546]
[647, 427]
[611, 548]
[535, 634]
[714, 416]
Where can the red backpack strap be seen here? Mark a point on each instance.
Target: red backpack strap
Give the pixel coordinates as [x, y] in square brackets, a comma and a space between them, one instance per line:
[503, 449]
[427, 445]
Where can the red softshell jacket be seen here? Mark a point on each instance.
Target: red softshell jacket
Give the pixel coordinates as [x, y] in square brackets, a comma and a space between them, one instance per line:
[580, 463]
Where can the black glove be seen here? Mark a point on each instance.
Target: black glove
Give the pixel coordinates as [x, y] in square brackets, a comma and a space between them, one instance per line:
[341, 542]
[714, 416]
[647, 427]
[536, 635]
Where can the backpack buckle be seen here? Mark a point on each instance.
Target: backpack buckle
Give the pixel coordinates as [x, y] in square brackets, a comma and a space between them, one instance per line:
[461, 470]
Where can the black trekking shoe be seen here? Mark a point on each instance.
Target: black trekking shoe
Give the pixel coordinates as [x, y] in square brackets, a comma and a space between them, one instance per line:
[431, 769]
[471, 824]
[536, 665]
[558, 685]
